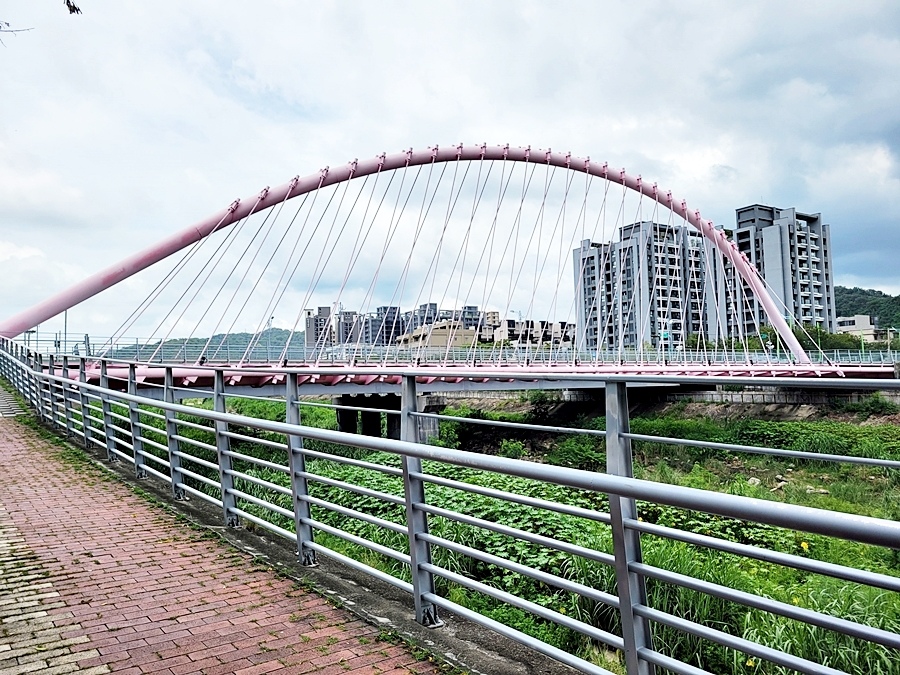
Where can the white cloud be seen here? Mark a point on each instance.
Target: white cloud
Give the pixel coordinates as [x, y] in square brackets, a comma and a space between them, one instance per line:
[133, 120]
[10, 251]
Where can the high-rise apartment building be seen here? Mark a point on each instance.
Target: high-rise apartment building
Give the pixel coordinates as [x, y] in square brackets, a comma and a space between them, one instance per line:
[792, 252]
[383, 327]
[347, 327]
[656, 287]
[425, 314]
[318, 331]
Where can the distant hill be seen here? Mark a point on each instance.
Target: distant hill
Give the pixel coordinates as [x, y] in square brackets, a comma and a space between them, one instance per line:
[221, 347]
[851, 301]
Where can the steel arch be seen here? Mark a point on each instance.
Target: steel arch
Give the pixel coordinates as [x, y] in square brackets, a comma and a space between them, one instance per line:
[269, 197]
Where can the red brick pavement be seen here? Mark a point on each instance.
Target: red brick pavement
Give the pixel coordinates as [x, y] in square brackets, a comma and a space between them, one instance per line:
[98, 580]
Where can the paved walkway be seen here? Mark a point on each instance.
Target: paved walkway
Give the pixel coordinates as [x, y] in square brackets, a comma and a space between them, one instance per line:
[93, 579]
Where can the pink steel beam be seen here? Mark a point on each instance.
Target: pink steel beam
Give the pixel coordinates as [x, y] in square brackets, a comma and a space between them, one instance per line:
[201, 377]
[328, 176]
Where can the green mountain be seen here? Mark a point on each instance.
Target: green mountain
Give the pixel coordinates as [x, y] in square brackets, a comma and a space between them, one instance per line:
[851, 301]
[221, 347]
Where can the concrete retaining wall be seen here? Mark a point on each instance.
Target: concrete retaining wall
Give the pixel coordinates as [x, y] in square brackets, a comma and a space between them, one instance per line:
[786, 396]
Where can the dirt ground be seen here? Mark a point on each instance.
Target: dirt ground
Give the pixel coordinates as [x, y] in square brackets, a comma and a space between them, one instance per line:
[777, 412]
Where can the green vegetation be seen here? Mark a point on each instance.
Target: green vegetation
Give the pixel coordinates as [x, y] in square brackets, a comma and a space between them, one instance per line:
[852, 301]
[844, 488]
[810, 337]
[222, 346]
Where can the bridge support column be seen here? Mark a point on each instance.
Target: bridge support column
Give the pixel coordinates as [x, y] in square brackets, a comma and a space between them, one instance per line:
[626, 542]
[393, 421]
[370, 423]
[347, 420]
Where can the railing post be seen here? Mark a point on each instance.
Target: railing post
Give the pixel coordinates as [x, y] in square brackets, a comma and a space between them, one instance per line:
[50, 400]
[31, 380]
[23, 375]
[108, 432]
[299, 486]
[20, 370]
[416, 519]
[223, 446]
[626, 543]
[56, 403]
[85, 404]
[172, 442]
[39, 387]
[67, 401]
[134, 416]
[39, 383]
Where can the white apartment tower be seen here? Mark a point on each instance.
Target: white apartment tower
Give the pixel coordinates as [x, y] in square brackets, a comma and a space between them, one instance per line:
[655, 287]
[792, 252]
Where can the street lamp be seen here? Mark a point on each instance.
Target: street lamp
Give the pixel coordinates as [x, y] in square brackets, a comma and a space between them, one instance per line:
[269, 338]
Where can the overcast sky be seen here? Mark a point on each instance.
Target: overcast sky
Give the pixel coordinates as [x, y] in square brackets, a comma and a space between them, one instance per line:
[136, 119]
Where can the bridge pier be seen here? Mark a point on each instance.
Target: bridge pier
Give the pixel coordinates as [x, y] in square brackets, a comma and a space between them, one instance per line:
[347, 420]
[368, 422]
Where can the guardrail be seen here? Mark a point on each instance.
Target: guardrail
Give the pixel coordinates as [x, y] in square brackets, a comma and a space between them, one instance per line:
[417, 517]
[265, 351]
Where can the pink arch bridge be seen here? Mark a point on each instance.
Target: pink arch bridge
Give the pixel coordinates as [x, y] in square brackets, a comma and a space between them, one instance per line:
[486, 230]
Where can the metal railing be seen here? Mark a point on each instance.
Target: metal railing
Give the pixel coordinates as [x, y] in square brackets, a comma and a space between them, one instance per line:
[232, 350]
[417, 516]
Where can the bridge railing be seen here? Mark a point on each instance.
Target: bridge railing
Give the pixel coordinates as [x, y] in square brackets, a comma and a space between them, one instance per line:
[265, 351]
[566, 552]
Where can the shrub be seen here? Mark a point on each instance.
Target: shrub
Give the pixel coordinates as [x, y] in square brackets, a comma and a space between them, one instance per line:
[512, 449]
[578, 452]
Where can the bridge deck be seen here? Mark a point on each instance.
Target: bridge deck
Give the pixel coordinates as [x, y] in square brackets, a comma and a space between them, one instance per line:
[93, 579]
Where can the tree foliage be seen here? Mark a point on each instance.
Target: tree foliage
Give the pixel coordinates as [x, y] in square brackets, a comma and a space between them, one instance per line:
[853, 301]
